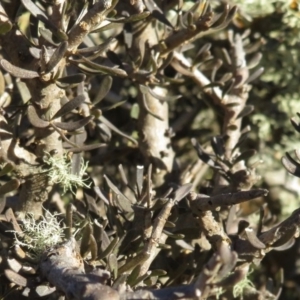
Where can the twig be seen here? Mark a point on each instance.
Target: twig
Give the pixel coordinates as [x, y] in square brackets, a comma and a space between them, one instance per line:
[202, 202]
[63, 267]
[92, 18]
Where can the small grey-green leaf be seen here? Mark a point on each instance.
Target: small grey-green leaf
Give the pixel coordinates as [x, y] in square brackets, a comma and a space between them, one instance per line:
[213, 84]
[48, 36]
[228, 87]
[104, 132]
[85, 241]
[71, 126]
[99, 48]
[178, 236]
[35, 52]
[254, 61]
[69, 106]
[104, 88]
[44, 290]
[97, 68]
[10, 217]
[166, 61]
[285, 246]
[93, 247]
[243, 136]
[139, 178]
[255, 75]
[225, 77]
[40, 15]
[37, 12]
[123, 175]
[2, 203]
[109, 248]
[205, 157]
[123, 202]
[161, 17]
[217, 143]
[108, 27]
[57, 56]
[15, 278]
[13, 264]
[72, 79]
[34, 118]
[115, 129]
[16, 71]
[221, 18]
[86, 69]
[253, 239]
[163, 98]
[182, 191]
[113, 264]
[287, 236]
[170, 224]
[164, 246]
[248, 109]
[132, 18]
[158, 272]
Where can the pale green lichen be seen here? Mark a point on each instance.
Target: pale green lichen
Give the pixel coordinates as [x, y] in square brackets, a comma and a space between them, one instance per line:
[238, 289]
[60, 172]
[38, 235]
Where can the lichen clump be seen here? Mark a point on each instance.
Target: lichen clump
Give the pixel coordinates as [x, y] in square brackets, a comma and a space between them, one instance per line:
[39, 235]
[60, 172]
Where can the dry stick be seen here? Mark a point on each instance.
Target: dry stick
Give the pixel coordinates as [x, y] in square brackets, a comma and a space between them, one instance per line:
[47, 95]
[91, 19]
[150, 251]
[239, 95]
[183, 36]
[157, 237]
[204, 284]
[63, 267]
[212, 229]
[154, 143]
[232, 125]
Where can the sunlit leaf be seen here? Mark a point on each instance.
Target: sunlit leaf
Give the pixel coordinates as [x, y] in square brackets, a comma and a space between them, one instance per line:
[73, 125]
[103, 90]
[57, 56]
[34, 118]
[69, 106]
[16, 71]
